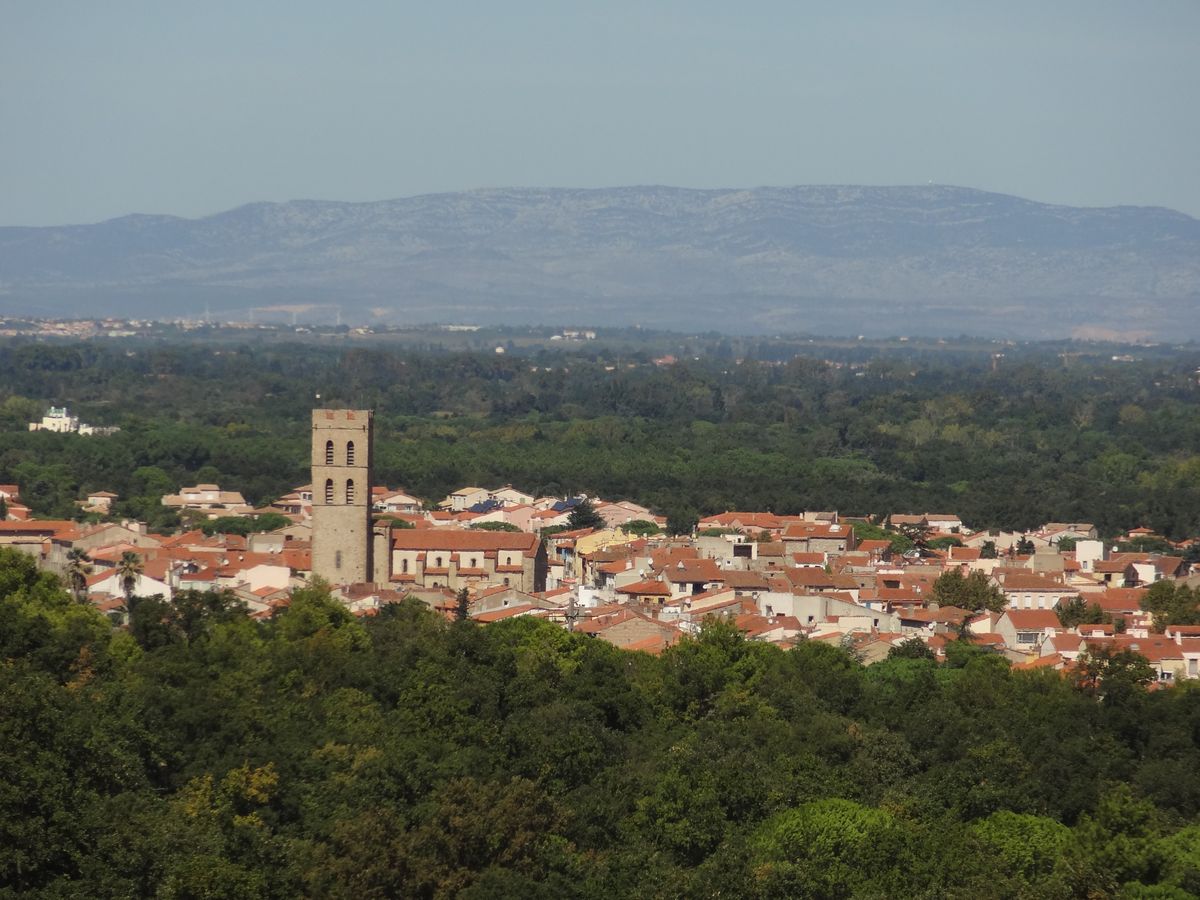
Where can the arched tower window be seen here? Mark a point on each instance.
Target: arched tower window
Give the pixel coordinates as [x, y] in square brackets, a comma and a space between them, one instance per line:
[329, 490]
[349, 490]
[350, 453]
[404, 567]
[329, 453]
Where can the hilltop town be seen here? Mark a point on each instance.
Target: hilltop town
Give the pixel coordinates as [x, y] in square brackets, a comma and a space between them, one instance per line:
[617, 571]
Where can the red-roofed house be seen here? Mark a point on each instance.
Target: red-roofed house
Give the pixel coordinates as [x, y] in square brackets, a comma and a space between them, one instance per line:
[1025, 630]
[437, 557]
[819, 537]
[1029, 591]
[651, 591]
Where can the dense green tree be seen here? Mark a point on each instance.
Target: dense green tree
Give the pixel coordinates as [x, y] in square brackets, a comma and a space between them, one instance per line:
[973, 591]
[1031, 847]
[1171, 603]
[1077, 611]
[493, 526]
[865, 531]
[584, 515]
[129, 570]
[1115, 675]
[641, 527]
[79, 567]
[824, 848]
[913, 648]
[682, 521]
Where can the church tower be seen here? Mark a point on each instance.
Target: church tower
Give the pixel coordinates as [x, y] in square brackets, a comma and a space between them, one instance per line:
[342, 537]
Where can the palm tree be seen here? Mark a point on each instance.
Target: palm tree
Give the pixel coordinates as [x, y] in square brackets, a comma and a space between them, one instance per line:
[129, 569]
[79, 567]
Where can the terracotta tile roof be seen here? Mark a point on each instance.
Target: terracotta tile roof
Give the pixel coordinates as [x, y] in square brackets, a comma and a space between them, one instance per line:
[752, 624]
[1052, 661]
[298, 559]
[724, 592]
[1155, 648]
[1031, 583]
[987, 639]
[615, 567]
[691, 571]
[818, 530]
[1117, 600]
[762, 521]
[655, 644]
[1032, 619]
[506, 613]
[870, 546]
[646, 588]
[667, 556]
[745, 581]
[810, 578]
[1066, 642]
[451, 540]
[32, 527]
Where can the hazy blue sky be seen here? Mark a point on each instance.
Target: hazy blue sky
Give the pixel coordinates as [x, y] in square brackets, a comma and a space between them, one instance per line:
[114, 107]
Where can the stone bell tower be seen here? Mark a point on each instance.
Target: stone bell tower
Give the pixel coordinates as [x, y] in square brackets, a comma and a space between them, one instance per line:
[342, 538]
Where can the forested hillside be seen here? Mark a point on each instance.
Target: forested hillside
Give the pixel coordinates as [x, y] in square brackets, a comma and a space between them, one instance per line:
[203, 754]
[1058, 433]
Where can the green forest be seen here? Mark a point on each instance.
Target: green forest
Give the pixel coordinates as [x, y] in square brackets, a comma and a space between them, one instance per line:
[203, 754]
[1005, 440]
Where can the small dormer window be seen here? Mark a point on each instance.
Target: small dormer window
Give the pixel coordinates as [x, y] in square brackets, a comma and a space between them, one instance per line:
[437, 562]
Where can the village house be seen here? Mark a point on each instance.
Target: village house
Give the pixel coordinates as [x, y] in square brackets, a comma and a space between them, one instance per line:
[628, 628]
[464, 498]
[1025, 630]
[397, 502]
[623, 512]
[209, 499]
[1026, 590]
[510, 496]
[1155, 568]
[816, 537]
[450, 558]
[98, 502]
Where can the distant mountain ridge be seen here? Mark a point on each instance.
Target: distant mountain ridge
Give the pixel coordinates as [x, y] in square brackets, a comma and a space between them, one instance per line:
[833, 259]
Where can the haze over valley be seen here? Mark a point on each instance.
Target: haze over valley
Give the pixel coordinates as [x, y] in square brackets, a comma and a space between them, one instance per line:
[830, 259]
